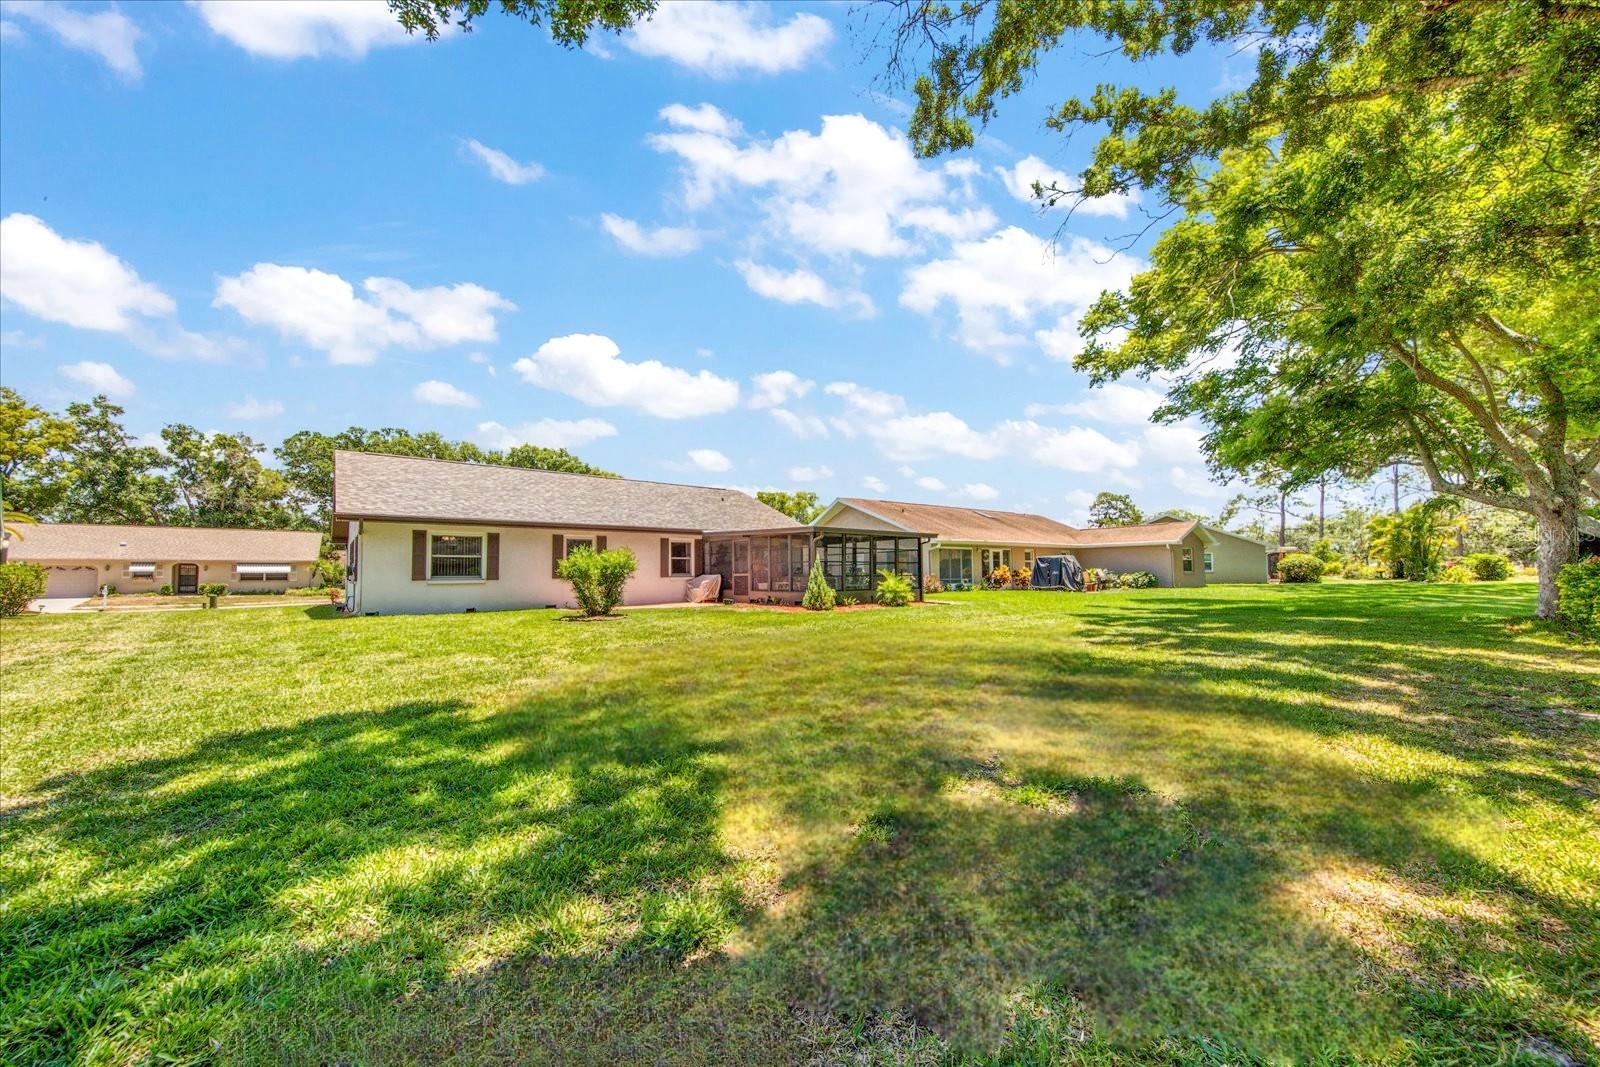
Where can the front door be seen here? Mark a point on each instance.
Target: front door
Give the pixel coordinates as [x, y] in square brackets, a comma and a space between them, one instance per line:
[185, 578]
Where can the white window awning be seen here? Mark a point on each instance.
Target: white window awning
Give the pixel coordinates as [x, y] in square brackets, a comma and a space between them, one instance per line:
[142, 570]
[266, 570]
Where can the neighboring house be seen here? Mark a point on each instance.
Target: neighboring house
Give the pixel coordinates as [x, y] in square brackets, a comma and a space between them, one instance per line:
[79, 559]
[428, 535]
[967, 544]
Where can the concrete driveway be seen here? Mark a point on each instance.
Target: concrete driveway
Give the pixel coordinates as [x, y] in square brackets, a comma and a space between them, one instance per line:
[56, 605]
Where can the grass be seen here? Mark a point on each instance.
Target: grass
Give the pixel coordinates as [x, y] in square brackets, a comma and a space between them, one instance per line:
[1349, 823]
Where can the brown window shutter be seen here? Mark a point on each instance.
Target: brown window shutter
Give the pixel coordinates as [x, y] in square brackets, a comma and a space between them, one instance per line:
[558, 548]
[666, 558]
[491, 565]
[699, 558]
[419, 555]
[599, 542]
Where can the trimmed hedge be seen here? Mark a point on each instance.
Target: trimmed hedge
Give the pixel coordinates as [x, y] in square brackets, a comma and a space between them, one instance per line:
[1299, 567]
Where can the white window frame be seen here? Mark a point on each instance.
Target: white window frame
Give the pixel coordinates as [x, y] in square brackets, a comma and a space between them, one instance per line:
[995, 558]
[1027, 558]
[688, 560]
[1208, 561]
[483, 556]
[242, 575]
[1188, 561]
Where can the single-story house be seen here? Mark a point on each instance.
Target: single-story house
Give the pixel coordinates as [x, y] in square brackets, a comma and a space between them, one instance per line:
[967, 544]
[80, 558]
[427, 535]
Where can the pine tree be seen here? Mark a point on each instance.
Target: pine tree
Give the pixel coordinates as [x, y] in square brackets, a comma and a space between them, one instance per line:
[819, 595]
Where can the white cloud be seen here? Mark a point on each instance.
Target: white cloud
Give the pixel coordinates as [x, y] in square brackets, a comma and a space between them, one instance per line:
[724, 39]
[931, 484]
[1003, 283]
[1195, 484]
[99, 378]
[978, 492]
[443, 394]
[1019, 181]
[1113, 402]
[800, 424]
[547, 433]
[18, 339]
[706, 118]
[78, 283]
[810, 474]
[662, 241]
[852, 187]
[324, 311]
[10, 31]
[502, 167]
[1178, 443]
[801, 286]
[777, 387]
[709, 459]
[864, 401]
[251, 408]
[874, 484]
[111, 35]
[588, 367]
[294, 29]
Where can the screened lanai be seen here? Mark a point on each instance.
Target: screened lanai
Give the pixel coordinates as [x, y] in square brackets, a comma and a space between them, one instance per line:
[775, 564]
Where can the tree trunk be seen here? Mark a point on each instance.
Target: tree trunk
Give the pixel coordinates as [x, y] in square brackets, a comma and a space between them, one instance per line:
[1283, 518]
[1396, 474]
[1558, 546]
[1322, 509]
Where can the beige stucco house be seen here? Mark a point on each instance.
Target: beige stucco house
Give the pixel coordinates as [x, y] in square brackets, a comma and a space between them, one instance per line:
[967, 544]
[80, 559]
[428, 535]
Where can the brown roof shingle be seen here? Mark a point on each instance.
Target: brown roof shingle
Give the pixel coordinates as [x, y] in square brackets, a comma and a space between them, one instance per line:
[155, 544]
[1015, 527]
[368, 485]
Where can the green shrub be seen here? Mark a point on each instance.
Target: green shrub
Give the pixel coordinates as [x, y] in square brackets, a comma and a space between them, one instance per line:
[1488, 566]
[848, 601]
[1139, 580]
[1579, 586]
[894, 590]
[110, 589]
[819, 594]
[1359, 570]
[598, 578]
[165, 590]
[1102, 578]
[19, 583]
[328, 572]
[1458, 574]
[1298, 567]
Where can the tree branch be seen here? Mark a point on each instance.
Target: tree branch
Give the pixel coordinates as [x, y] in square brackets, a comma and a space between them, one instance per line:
[1441, 484]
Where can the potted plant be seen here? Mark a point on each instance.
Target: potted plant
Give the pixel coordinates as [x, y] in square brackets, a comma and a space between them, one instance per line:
[212, 590]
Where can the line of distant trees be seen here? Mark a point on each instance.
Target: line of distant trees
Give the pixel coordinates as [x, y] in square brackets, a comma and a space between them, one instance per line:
[82, 465]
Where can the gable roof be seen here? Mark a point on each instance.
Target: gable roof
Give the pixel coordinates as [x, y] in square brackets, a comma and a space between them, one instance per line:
[367, 485]
[152, 544]
[1012, 527]
[963, 524]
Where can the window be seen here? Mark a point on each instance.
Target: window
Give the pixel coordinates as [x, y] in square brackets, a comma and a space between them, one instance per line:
[263, 572]
[1027, 558]
[1206, 560]
[680, 559]
[1188, 560]
[579, 544]
[141, 570]
[994, 559]
[456, 556]
[955, 566]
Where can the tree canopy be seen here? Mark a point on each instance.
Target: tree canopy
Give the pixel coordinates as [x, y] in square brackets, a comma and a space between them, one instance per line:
[801, 506]
[83, 466]
[570, 21]
[1385, 248]
[1114, 509]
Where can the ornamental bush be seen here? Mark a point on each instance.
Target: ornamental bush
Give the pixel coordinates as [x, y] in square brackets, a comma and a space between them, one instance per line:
[1299, 567]
[819, 594]
[1458, 574]
[932, 584]
[1022, 578]
[165, 590]
[894, 590]
[1360, 570]
[1488, 566]
[19, 583]
[1139, 580]
[1579, 586]
[1000, 577]
[598, 578]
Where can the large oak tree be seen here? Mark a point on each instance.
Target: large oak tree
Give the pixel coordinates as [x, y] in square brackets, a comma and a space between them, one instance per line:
[1383, 249]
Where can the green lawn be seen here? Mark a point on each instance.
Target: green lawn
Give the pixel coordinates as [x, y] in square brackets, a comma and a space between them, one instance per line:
[1354, 822]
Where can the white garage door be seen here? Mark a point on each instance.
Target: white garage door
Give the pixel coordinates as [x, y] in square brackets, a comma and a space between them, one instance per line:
[71, 581]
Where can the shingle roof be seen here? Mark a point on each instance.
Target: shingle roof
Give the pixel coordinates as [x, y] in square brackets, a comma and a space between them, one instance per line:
[367, 485]
[152, 544]
[1015, 527]
[968, 524]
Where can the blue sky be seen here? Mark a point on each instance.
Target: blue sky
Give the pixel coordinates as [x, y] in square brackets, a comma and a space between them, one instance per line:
[700, 252]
